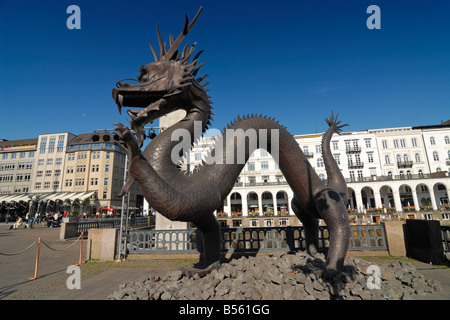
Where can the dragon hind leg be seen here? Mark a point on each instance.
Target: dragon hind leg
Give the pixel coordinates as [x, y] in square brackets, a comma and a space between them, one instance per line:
[310, 225]
[331, 209]
[210, 228]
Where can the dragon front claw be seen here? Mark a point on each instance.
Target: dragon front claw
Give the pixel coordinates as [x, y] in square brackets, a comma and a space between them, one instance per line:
[126, 187]
[130, 146]
[128, 142]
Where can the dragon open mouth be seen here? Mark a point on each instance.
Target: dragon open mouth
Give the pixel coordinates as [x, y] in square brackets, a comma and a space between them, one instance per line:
[147, 102]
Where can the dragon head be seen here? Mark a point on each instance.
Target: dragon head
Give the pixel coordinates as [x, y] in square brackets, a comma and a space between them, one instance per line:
[162, 85]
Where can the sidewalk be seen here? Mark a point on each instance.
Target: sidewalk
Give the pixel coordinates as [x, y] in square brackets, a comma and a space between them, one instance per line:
[99, 280]
[96, 284]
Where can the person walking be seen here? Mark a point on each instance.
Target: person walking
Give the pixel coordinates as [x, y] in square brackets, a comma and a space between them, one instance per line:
[29, 220]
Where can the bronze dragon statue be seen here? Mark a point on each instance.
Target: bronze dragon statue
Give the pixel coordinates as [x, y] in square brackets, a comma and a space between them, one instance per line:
[171, 83]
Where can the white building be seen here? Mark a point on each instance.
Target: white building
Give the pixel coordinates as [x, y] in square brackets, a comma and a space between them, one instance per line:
[437, 147]
[355, 152]
[402, 151]
[387, 170]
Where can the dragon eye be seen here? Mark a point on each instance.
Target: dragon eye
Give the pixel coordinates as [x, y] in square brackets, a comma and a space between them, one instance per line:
[142, 74]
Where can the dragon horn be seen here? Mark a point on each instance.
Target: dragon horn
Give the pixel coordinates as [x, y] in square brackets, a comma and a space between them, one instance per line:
[154, 52]
[187, 27]
[162, 46]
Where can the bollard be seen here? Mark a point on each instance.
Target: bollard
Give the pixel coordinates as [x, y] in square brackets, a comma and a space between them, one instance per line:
[80, 262]
[37, 261]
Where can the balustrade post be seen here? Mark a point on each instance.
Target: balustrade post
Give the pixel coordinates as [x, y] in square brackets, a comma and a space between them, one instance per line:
[290, 238]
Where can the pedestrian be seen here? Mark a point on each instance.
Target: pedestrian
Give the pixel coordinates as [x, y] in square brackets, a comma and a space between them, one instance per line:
[18, 223]
[29, 219]
[49, 219]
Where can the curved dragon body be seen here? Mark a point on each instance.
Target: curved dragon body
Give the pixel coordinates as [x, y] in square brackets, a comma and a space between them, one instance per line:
[169, 84]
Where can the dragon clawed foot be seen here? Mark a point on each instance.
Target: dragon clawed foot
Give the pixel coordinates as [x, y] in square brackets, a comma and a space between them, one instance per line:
[130, 145]
[128, 142]
[333, 122]
[126, 187]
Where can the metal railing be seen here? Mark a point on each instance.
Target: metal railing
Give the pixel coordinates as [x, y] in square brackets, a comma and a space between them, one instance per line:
[84, 226]
[248, 240]
[164, 241]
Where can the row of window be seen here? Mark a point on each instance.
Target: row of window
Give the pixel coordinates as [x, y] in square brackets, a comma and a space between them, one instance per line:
[23, 177]
[51, 144]
[349, 145]
[95, 155]
[358, 174]
[264, 165]
[400, 159]
[433, 141]
[80, 182]
[22, 155]
[92, 182]
[82, 168]
[5, 178]
[405, 158]
[401, 143]
[352, 160]
[49, 161]
[48, 173]
[252, 179]
[93, 146]
[46, 185]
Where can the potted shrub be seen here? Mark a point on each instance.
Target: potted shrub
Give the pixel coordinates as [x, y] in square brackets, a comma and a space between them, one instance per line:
[71, 217]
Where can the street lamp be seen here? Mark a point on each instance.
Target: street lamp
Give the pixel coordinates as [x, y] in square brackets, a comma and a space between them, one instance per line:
[111, 132]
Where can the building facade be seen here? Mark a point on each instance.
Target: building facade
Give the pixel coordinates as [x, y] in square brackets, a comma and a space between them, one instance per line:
[64, 172]
[387, 171]
[94, 172]
[401, 171]
[50, 158]
[17, 160]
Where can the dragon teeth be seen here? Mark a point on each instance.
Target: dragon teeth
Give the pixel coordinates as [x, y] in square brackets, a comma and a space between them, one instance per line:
[119, 102]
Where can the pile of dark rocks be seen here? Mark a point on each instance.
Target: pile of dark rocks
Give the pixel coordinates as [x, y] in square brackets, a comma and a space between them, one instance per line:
[284, 276]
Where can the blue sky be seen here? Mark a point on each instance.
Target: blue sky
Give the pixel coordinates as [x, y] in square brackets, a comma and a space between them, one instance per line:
[294, 60]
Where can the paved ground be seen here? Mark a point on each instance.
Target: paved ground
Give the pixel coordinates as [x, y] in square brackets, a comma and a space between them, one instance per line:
[98, 279]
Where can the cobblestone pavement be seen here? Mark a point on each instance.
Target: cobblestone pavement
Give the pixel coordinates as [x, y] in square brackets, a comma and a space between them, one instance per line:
[99, 279]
